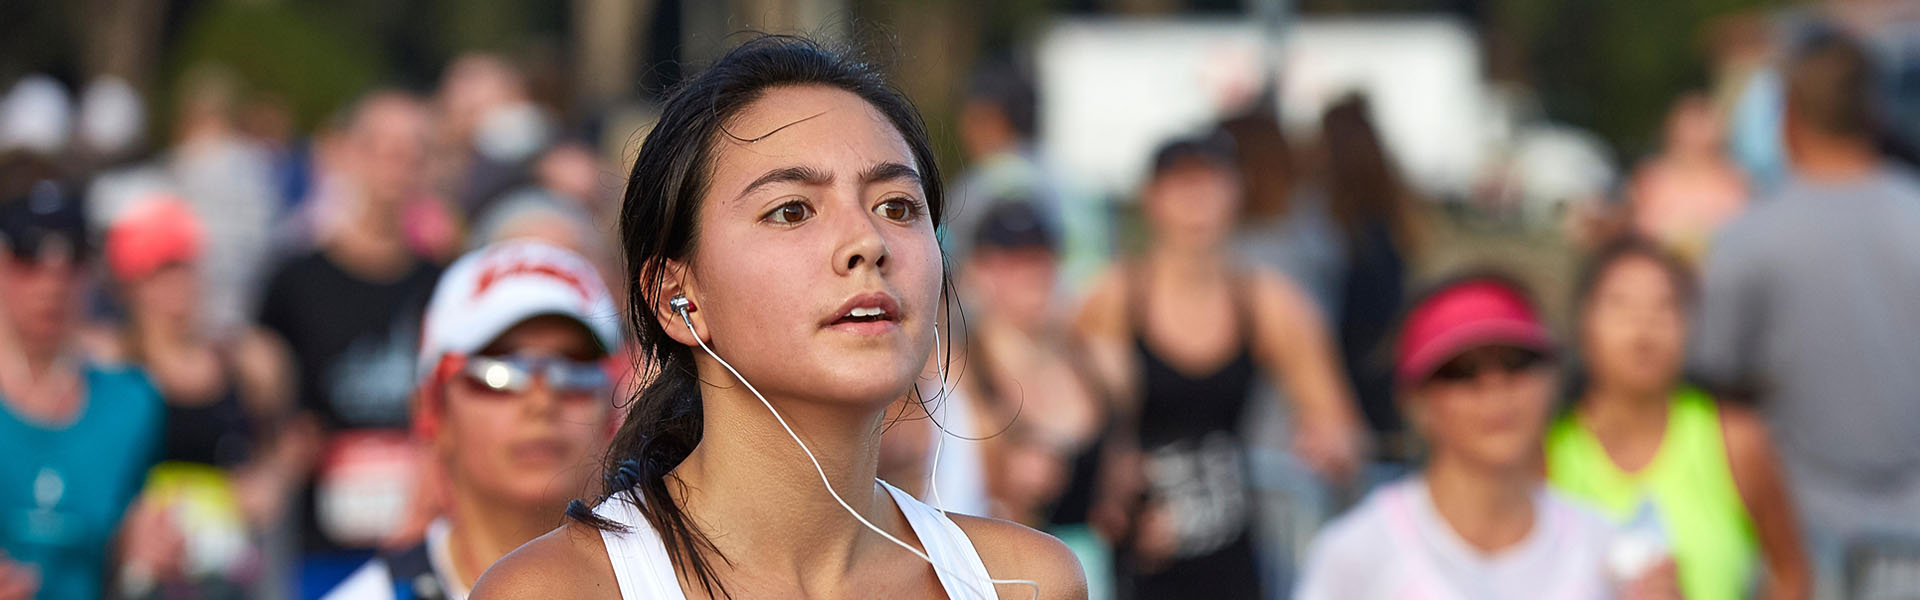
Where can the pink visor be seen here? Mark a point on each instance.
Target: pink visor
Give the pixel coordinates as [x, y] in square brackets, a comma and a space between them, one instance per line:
[1464, 316]
[156, 232]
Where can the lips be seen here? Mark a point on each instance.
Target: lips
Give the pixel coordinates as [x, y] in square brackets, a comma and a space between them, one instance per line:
[871, 312]
[541, 451]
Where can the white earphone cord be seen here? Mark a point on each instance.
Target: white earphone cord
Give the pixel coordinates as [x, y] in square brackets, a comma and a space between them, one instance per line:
[823, 472]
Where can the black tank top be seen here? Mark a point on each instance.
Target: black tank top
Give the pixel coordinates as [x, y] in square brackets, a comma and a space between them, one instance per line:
[216, 433]
[1189, 428]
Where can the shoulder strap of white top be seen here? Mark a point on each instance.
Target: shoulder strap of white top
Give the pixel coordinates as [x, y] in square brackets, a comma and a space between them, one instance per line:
[640, 561]
[961, 572]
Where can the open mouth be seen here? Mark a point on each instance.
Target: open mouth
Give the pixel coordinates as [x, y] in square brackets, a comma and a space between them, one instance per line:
[864, 314]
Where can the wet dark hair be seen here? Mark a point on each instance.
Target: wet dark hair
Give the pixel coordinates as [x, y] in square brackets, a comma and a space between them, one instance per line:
[658, 217]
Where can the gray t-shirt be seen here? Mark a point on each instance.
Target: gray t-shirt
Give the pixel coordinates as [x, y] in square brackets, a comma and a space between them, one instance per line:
[1813, 296]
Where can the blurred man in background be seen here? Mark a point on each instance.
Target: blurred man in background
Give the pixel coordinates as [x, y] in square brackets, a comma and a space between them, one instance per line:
[349, 312]
[1809, 298]
[228, 180]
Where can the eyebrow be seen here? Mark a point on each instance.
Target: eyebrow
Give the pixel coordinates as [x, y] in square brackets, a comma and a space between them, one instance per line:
[805, 175]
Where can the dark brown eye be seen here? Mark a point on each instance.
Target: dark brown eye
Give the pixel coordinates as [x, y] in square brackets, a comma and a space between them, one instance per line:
[896, 209]
[790, 213]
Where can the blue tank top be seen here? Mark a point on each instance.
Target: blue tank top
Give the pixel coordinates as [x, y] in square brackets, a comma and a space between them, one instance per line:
[65, 487]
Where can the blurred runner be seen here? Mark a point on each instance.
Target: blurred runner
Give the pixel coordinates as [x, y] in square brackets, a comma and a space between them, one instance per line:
[1372, 211]
[349, 312]
[1475, 370]
[1025, 370]
[1683, 195]
[1640, 438]
[1184, 330]
[1809, 299]
[78, 437]
[232, 450]
[514, 399]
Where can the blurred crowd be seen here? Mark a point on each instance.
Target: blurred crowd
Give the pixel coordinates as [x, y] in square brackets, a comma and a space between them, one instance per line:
[251, 361]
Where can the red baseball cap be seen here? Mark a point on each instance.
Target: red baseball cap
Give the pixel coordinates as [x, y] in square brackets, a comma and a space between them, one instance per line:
[156, 232]
[1462, 316]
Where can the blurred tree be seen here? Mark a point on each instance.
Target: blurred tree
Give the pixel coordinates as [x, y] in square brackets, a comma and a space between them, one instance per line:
[1613, 67]
[317, 59]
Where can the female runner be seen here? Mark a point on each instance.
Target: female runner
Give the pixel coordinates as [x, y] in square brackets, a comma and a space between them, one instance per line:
[784, 277]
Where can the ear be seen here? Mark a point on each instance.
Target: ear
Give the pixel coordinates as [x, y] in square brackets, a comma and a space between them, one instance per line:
[677, 281]
[428, 402]
[1414, 411]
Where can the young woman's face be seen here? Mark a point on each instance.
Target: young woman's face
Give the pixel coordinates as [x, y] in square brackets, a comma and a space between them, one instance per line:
[1488, 406]
[534, 447]
[1193, 203]
[1633, 332]
[39, 298]
[1014, 284]
[815, 210]
[171, 293]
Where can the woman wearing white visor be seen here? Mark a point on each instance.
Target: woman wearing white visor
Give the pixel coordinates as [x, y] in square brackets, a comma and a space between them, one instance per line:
[514, 405]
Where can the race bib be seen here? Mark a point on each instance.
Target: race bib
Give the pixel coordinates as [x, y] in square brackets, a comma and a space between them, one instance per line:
[365, 485]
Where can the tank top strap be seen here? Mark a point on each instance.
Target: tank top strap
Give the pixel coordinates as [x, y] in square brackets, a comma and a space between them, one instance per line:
[1240, 288]
[1133, 280]
[641, 564]
[1134, 277]
[962, 574]
[1695, 422]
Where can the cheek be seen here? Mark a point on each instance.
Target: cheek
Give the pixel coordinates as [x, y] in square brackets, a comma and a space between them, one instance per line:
[471, 424]
[586, 421]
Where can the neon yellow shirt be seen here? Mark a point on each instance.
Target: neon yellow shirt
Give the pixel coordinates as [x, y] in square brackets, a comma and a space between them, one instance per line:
[1689, 483]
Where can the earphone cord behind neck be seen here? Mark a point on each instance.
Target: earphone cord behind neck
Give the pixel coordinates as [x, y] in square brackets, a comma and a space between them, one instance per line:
[823, 472]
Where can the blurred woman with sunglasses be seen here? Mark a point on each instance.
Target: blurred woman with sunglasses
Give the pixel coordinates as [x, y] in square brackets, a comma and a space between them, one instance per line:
[1641, 441]
[513, 406]
[1476, 380]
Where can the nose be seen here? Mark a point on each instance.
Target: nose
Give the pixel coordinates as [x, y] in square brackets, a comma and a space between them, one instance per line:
[539, 399]
[861, 244]
[1493, 380]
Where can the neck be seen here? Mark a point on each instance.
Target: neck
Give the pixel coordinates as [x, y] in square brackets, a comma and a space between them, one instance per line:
[1613, 409]
[1190, 263]
[1834, 160]
[1490, 507]
[1005, 340]
[757, 496]
[370, 247]
[482, 528]
[153, 332]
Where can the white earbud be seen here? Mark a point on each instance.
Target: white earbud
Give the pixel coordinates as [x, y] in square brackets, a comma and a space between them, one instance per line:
[683, 306]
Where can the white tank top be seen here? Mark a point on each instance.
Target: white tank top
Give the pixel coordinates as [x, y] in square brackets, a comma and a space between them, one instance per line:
[644, 570]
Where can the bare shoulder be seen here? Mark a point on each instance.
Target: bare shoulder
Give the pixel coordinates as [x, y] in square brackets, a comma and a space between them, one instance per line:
[1275, 293]
[1103, 310]
[1745, 434]
[568, 562]
[1014, 551]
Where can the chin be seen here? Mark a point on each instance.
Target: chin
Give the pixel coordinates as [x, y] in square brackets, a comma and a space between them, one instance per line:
[876, 382]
